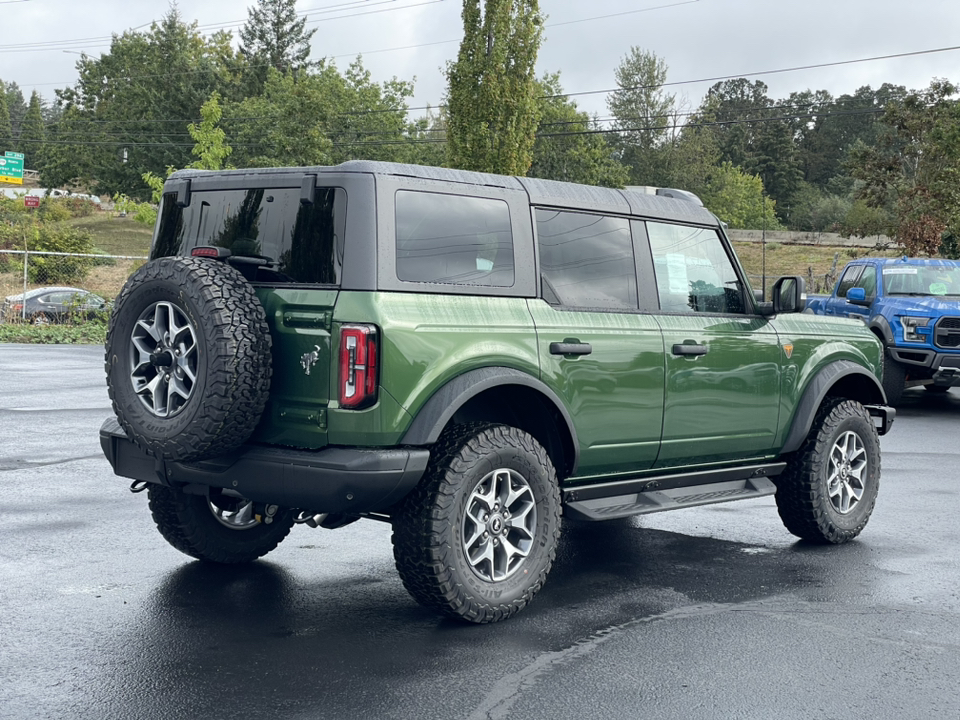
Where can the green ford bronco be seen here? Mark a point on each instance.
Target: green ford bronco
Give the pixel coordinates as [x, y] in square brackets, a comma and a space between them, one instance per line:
[470, 357]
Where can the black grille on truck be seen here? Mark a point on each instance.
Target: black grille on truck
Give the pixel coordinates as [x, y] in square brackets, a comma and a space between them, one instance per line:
[947, 332]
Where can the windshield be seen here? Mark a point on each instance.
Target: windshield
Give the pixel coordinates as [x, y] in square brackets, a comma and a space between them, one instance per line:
[922, 280]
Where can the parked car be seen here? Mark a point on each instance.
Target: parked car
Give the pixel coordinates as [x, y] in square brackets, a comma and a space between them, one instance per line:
[52, 305]
[913, 306]
[467, 356]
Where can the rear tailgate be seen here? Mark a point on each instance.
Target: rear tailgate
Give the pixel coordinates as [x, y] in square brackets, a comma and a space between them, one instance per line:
[300, 321]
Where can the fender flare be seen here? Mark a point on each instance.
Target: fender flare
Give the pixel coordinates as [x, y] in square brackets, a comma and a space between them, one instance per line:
[879, 322]
[813, 396]
[444, 403]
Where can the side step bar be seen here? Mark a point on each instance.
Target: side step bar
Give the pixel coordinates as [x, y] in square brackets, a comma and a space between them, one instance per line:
[636, 497]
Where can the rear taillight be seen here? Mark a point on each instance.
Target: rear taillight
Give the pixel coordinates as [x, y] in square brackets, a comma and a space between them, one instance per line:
[358, 366]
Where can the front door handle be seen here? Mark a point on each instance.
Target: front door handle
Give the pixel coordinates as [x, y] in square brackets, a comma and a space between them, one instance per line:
[570, 348]
[685, 349]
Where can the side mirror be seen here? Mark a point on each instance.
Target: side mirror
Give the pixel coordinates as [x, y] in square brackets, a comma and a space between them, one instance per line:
[857, 296]
[788, 295]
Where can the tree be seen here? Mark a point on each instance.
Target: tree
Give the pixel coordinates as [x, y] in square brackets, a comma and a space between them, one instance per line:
[738, 199]
[643, 115]
[16, 105]
[567, 146]
[913, 169]
[6, 127]
[33, 135]
[136, 101]
[274, 36]
[210, 146]
[491, 96]
[287, 125]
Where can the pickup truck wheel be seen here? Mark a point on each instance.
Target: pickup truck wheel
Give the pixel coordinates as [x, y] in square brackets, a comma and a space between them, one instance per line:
[188, 358]
[476, 539]
[894, 377]
[829, 488]
[215, 527]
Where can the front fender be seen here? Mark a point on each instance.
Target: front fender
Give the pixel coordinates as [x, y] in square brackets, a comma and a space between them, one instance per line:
[859, 384]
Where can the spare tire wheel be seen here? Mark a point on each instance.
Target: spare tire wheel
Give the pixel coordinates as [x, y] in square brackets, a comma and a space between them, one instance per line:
[188, 358]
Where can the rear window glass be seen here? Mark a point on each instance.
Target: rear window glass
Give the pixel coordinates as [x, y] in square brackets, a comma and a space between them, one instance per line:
[302, 242]
[453, 239]
[586, 260]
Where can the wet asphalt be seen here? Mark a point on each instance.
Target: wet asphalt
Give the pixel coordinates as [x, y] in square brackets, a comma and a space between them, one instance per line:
[709, 612]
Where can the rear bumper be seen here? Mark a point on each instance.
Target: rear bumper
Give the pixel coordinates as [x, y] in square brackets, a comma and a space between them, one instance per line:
[332, 480]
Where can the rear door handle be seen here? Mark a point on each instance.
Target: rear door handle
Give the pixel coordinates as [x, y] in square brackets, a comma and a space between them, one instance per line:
[568, 348]
[684, 349]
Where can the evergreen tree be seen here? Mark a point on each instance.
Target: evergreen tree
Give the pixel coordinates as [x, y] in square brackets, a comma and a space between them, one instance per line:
[33, 135]
[274, 36]
[643, 115]
[492, 100]
[6, 128]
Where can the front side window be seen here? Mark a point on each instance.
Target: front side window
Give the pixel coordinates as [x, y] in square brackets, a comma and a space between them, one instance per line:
[694, 273]
[586, 260]
[453, 239]
[849, 279]
[868, 281]
[301, 242]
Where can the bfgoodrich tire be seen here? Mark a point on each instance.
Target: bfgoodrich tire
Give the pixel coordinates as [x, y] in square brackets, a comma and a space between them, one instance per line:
[188, 358]
[829, 488]
[478, 536]
[215, 527]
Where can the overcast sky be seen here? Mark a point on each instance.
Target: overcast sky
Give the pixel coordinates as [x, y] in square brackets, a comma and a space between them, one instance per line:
[584, 41]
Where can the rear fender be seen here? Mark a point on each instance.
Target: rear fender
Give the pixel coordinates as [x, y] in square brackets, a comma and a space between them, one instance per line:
[452, 400]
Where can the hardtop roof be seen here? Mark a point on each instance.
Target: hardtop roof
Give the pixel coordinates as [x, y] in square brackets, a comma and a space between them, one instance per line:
[541, 192]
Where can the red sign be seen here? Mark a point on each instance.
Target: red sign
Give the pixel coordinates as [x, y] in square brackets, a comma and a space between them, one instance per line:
[31, 201]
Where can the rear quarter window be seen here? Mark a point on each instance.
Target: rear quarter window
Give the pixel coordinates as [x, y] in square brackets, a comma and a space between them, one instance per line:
[453, 239]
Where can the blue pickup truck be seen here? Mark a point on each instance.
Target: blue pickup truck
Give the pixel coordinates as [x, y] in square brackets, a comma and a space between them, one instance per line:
[913, 307]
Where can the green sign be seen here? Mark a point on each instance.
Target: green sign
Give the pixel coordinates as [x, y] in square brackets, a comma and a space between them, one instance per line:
[11, 168]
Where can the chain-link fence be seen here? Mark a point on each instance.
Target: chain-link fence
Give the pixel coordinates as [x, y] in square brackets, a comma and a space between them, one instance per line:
[53, 287]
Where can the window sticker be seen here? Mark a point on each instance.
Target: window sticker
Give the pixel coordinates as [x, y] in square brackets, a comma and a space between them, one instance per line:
[900, 271]
[677, 273]
[938, 288]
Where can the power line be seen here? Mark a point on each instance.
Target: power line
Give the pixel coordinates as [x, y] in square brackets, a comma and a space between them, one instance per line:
[420, 141]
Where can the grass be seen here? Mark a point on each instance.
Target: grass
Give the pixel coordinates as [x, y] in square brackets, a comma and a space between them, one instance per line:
[116, 235]
[806, 260]
[90, 333]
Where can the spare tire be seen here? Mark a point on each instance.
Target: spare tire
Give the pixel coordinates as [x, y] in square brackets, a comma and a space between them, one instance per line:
[188, 358]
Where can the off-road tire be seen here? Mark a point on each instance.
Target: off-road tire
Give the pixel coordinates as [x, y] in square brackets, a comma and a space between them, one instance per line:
[187, 523]
[894, 377]
[803, 498]
[427, 527]
[233, 366]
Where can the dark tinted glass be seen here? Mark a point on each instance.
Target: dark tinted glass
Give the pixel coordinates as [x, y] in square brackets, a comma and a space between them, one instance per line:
[586, 260]
[454, 239]
[303, 241]
[849, 279]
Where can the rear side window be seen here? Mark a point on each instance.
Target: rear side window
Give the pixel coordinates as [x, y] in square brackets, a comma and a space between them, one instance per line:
[303, 242]
[586, 260]
[453, 239]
